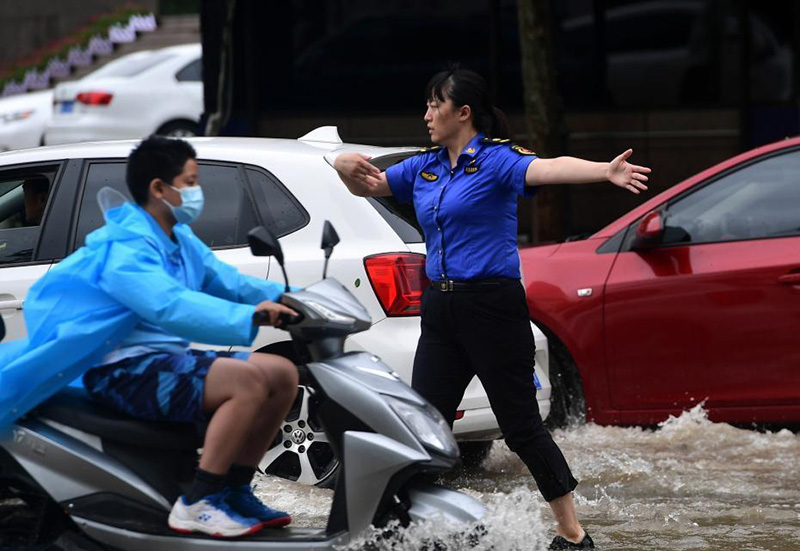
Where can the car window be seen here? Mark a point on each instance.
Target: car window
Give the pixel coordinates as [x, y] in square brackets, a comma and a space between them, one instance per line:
[400, 216]
[193, 72]
[24, 196]
[759, 201]
[227, 216]
[282, 213]
[130, 66]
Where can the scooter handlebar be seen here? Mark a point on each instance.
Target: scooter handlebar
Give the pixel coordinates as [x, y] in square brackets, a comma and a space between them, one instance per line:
[262, 318]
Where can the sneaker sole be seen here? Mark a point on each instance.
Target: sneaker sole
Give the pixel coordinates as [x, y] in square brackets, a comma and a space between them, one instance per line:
[279, 522]
[189, 527]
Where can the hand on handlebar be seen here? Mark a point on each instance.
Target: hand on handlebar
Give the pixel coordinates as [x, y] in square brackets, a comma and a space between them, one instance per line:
[274, 314]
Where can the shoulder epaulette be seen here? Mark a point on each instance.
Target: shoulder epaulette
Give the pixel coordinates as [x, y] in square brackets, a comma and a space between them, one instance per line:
[495, 141]
[517, 148]
[428, 149]
[522, 150]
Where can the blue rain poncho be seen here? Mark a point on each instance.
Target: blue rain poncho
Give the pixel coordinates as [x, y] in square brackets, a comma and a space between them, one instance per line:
[83, 307]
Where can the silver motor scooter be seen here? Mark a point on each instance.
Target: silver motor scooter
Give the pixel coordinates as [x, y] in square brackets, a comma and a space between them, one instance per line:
[98, 479]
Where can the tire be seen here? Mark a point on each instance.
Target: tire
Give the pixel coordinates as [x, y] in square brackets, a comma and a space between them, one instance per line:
[567, 400]
[179, 129]
[474, 452]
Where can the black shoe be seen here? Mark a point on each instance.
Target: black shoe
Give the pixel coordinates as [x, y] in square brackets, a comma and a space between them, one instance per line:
[560, 542]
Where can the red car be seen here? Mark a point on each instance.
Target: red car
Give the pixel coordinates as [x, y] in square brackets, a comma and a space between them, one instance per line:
[692, 297]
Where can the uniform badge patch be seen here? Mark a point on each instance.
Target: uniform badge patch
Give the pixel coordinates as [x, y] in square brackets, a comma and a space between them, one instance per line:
[471, 150]
[429, 176]
[522, 150]
[471, 169]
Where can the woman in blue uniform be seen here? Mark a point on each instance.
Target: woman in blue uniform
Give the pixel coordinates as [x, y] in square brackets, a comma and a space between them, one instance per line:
[474, 316]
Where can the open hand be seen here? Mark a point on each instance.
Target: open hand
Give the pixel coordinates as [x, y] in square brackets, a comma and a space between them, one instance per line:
[625, 175]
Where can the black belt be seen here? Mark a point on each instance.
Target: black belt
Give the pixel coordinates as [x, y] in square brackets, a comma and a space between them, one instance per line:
[449, 285]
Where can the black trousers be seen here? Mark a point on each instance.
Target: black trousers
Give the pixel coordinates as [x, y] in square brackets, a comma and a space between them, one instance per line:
[487, 333]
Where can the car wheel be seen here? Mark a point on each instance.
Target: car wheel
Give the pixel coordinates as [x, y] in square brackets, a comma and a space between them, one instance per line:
[567, 401]
[301, 451]
[179, 129]
[474, 452]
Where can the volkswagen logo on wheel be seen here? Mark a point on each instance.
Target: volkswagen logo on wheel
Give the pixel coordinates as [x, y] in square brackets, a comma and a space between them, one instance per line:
[298, 436]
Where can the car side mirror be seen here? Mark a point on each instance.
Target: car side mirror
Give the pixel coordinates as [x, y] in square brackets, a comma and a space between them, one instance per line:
[2, 329]
[649, 232]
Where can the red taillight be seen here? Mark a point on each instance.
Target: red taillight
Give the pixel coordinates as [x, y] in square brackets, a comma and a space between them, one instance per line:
[398, 279]
[94, 98]
[459, 414]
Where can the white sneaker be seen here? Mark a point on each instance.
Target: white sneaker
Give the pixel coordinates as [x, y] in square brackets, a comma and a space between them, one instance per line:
[212, 516]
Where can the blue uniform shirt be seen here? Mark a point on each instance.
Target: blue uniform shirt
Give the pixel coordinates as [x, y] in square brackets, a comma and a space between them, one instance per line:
[468, 213]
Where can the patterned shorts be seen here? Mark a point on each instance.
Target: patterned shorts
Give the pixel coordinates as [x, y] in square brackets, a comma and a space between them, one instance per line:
[158, 386]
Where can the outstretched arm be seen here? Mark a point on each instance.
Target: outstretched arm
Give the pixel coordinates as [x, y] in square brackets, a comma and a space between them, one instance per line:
[571, 170]
[360, 176]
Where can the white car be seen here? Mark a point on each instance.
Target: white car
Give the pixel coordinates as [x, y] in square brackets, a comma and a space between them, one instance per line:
[23, 118]
[154, 91]
[289, 187]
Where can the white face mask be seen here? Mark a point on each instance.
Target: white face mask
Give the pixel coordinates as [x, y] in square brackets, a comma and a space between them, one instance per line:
[192, 202]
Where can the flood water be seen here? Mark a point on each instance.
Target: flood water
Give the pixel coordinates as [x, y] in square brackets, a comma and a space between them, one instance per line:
[690, 485]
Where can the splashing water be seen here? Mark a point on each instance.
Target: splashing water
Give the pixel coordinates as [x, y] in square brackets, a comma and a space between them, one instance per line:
[513, 523]
[690, 485]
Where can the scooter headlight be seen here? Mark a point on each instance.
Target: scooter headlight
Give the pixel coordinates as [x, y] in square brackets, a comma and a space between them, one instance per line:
[329, 314]
[428, 424]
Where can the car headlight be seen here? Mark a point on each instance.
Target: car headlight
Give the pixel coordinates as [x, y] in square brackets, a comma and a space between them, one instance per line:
[14, 116]
[428, 424]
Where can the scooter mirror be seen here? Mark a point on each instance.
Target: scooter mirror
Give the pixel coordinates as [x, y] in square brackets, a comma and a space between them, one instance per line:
[2, 329]
[329, 238]
[264, 243]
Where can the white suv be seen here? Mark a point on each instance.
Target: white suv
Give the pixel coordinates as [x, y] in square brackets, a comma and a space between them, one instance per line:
[287, 186]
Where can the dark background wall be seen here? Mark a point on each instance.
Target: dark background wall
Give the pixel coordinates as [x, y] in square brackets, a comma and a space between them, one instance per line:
[686, 83]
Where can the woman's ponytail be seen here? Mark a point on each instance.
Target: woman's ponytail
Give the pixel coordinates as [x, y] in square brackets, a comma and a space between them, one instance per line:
[500, 128]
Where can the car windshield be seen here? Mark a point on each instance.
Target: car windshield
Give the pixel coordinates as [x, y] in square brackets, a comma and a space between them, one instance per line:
[131, 65]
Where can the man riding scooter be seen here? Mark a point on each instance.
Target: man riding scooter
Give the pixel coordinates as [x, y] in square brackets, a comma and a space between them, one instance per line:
[128, 304]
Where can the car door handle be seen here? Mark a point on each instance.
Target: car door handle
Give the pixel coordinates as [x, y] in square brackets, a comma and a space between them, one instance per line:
[790, 279]
[11, 305]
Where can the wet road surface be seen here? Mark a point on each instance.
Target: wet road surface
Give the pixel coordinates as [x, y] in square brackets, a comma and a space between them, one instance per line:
[690, 485]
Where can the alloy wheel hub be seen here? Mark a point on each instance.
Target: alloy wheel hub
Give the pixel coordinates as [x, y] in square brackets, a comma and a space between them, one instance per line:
[298, 436]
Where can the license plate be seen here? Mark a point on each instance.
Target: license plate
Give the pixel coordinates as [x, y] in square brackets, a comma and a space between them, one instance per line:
[67, 106]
